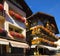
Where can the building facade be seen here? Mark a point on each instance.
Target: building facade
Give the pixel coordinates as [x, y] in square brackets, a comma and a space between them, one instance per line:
[13, 15]
[41, 30]
[19, 36]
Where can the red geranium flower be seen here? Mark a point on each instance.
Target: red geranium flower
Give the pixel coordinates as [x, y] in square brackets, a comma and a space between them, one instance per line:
[1, 7]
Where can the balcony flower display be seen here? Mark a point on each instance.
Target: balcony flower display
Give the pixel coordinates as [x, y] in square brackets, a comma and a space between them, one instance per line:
[43, 40]
[11, 13]
[17, 16]
[35, 30]
[1, 7]
[15, 34]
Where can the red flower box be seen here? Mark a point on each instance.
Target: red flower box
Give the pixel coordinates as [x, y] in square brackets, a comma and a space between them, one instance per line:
[1, 7]
[15, 34]
[11, 12]
[19, 17]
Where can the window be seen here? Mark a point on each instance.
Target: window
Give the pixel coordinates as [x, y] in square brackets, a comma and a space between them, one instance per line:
[34, 22]
[15, 29]
[18, 30]
[39, 22]
[10, 29]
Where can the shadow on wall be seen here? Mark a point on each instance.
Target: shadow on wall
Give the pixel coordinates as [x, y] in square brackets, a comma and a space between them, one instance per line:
[8, 18]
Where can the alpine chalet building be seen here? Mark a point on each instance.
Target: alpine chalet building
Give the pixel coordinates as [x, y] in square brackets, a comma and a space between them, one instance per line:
[41, 30]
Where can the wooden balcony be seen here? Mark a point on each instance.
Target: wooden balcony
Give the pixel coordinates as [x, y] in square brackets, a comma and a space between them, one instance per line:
[45, 31]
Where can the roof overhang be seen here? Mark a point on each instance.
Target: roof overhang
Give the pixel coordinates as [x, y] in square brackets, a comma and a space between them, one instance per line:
[45, 16]
[48, 47]
[44, 46]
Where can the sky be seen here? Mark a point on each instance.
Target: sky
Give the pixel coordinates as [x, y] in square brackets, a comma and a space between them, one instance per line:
[51, 7]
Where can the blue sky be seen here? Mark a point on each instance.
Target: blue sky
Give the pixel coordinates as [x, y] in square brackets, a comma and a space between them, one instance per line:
[51, 7]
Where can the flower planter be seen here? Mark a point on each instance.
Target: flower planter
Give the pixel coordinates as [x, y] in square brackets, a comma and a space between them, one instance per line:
[1, 7]
[17, 16]
[11, 13]
[17, 35]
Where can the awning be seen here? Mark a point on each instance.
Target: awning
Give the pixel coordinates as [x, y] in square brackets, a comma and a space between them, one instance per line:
[19, 44]
[4, 41]
[43, 46]
[48, 47]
